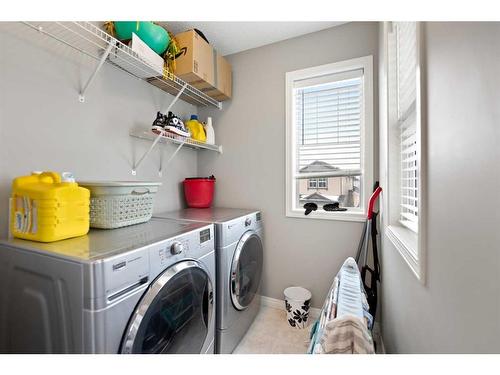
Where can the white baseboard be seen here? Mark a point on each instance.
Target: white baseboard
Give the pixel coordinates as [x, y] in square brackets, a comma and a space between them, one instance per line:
[279, 304]
[377, 337]
[382, 346]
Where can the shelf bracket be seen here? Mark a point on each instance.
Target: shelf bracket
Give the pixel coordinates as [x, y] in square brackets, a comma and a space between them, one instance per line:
[104, 56]
[160, 171]
[161, 152]
[136, 165]
[176, 98]
[155, 142]
[157, 139]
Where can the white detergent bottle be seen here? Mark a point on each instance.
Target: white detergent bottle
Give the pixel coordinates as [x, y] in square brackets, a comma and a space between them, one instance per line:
[209, 130]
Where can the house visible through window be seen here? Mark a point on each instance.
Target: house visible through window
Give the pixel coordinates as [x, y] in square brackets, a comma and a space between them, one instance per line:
[329, 123]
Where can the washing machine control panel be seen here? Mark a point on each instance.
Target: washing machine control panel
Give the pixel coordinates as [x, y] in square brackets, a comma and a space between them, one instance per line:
[169, 249]
[176, 248]
[124, 273]
[190, 245]
[205, 235]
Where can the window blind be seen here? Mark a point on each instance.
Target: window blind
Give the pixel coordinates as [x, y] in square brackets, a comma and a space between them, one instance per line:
[328, 115]
[406, 42]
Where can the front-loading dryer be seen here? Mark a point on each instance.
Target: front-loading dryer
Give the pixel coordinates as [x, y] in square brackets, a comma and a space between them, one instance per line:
[147, 288]
[239, 257]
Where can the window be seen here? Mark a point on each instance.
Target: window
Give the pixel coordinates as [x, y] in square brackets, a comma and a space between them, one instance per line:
[318, 183]
[322, 183]
[404, 142]
[329, 138]
[406, 95]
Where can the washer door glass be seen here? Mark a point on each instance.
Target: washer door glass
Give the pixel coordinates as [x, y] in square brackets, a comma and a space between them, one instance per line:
[175, 313]
[246, 270]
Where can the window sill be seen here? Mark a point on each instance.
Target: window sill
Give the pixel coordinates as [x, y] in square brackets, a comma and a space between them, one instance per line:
[406, 242]
[322, 215]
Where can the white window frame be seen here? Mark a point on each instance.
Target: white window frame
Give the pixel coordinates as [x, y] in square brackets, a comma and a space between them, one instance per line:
[410, 245]
[367, 156]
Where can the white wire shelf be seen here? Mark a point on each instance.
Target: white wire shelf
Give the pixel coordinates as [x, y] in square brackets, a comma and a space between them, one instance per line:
[90, 40]
[173, 138]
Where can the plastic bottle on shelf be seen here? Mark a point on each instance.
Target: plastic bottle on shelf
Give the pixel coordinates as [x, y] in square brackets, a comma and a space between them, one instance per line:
[196, 129]
[209, 130]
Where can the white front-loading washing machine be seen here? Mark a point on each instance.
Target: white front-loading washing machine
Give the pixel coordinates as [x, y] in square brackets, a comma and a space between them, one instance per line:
[239, 257]
[147, 288]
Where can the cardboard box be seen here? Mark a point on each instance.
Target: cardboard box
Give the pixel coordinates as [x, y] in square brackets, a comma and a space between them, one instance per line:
[196, 63]
[222, 88]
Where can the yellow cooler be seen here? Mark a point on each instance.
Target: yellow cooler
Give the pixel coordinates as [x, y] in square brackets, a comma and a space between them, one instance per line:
[46, 207]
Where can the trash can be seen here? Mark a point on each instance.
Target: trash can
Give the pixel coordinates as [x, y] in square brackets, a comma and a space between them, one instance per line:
[297, 304]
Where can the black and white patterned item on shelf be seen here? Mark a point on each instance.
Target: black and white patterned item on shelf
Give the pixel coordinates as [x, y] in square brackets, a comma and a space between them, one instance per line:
[297, 304]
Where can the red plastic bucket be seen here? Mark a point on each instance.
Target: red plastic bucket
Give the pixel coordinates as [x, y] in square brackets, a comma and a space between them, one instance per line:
[199, 192]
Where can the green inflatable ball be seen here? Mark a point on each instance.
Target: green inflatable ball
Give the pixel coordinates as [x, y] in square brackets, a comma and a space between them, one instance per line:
[124, 29]
[156, 37]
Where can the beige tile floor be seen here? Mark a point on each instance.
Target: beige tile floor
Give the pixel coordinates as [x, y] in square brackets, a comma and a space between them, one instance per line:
[271, 334]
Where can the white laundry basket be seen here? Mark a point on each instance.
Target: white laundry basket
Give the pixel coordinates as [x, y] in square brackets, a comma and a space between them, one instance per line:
[297, 304]
[119, 204]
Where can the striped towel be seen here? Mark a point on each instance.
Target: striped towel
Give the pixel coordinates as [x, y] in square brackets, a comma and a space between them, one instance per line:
[346, 335]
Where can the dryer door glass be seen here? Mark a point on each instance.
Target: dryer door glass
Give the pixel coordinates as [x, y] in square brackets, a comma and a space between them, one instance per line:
[246, 270]
[174, 315]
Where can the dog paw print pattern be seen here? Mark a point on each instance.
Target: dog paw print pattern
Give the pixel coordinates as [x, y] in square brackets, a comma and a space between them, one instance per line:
[297, 304]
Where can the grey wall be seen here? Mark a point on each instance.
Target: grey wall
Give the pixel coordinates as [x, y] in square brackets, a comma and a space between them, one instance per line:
[43, 126]
[457, 310]
[251, 172]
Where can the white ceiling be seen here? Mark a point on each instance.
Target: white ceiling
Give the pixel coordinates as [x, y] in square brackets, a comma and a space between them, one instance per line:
[232, 37]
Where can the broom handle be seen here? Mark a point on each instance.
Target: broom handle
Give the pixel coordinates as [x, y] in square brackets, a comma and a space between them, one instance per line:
[372, 201]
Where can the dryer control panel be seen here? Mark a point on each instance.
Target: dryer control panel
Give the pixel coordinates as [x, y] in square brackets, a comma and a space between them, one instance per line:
[231, 231]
